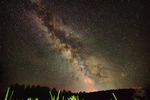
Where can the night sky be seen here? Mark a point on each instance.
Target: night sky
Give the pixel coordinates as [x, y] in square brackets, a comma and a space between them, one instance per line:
[77, 45]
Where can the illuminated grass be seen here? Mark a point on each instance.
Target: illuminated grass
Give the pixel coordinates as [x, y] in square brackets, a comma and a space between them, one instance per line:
[53, 97]
[114, 96]
[7, 94]
[57, 98]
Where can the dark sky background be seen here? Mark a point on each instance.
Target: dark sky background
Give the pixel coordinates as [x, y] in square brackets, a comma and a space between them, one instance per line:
[110, 39]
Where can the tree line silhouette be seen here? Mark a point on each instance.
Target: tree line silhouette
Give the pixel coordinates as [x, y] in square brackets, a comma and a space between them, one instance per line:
[22, 92]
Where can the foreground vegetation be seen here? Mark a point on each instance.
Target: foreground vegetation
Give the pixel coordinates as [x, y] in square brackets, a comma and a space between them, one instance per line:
[9, 94]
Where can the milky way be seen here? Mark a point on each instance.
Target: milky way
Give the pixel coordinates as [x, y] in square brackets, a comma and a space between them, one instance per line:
[66, 43]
